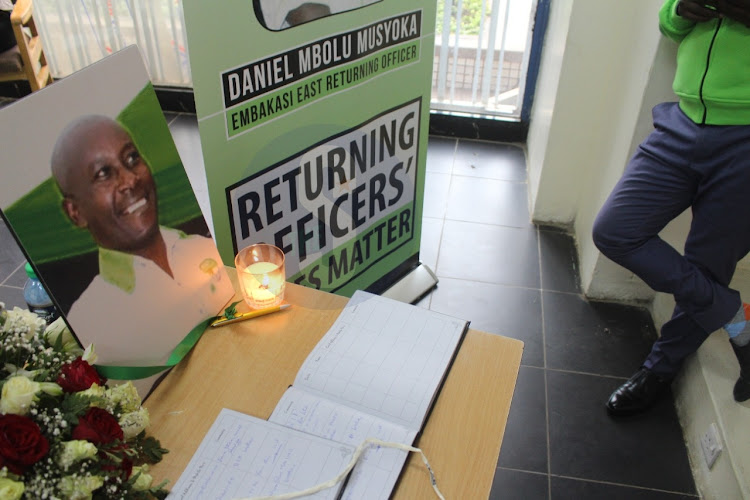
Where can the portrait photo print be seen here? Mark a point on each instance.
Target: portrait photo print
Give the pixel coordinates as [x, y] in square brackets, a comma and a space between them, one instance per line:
[103, 209]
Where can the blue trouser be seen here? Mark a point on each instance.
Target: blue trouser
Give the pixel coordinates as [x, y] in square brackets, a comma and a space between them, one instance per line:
[680, 165]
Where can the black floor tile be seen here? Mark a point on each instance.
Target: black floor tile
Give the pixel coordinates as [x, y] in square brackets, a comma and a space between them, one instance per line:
[424, 301]
[12, 297]
[170, 117]
[429, 245]
[573, 489]
[436, 188]
[525, 441]
[18, 278]
[646, 451]
[490, 254]
[519, 485]
[440, 154]
[559, 261]
[510, 311]
[184, 129]
[490, 160]
[595, 337]
[488, 201]
[10, 255]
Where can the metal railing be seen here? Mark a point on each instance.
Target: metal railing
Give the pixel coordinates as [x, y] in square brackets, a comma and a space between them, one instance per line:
[77, 33]
[480, 58]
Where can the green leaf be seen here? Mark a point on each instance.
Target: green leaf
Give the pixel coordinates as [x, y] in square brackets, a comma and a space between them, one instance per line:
[75, 405]
[159, 491]
[150, 448]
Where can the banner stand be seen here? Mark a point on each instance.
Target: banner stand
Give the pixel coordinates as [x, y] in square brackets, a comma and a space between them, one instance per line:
[413, 286]
[314, 135]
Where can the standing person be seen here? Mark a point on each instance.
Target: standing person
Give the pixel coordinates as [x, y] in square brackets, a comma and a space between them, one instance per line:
[697, 157]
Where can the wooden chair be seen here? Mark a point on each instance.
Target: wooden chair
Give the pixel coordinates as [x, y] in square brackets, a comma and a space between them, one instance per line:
[26, 61]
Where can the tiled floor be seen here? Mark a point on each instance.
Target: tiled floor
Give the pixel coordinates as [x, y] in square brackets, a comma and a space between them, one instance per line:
[515, 279]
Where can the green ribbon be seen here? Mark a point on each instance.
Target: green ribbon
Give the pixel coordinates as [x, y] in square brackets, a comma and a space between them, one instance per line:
[139, 372]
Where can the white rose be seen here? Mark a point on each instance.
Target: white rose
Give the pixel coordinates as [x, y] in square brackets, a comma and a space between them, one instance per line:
[75, 451]
[89, 355]
[143, 480]
[11, 490]
[58, 331]
[99, 395]
[126, 395]
[79, 488]
[134, 422]
[18, 394]
[95, 390]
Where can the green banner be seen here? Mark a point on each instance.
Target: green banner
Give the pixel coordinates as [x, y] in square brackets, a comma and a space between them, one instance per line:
[314, 125]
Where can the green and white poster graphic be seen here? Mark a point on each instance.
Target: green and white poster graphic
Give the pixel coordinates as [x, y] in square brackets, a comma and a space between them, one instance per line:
[314, 124]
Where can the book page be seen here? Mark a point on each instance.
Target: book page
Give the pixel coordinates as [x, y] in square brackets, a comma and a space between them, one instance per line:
[243, 456]
[378, 469]
[383, 357]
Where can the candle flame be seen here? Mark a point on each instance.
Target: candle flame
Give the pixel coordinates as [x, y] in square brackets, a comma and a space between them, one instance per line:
[264, 283]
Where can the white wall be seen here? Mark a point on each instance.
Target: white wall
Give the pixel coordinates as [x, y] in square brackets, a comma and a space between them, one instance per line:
[604, 66]
[595, 64]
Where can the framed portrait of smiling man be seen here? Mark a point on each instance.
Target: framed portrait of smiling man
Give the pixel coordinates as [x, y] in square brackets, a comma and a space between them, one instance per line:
[96, 194]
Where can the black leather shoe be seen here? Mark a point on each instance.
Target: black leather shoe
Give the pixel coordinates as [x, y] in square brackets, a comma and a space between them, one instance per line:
[638, 394]
[742, 386]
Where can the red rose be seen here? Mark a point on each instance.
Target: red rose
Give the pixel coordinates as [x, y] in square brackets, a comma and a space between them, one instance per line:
[78, 375]
[97, 426]
[123, 464]
[21, 443]
[125, 468]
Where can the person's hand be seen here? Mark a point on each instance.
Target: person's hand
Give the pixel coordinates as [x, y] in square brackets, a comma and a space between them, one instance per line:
[699, 10]
[739, 10]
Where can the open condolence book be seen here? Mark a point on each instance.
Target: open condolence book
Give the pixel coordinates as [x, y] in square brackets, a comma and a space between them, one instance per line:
[375, 374]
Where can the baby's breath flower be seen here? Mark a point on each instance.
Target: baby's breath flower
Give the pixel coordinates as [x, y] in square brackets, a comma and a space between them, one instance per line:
[23, 323]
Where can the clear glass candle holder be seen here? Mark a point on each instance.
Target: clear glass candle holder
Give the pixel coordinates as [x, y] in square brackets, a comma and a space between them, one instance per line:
[261, 274]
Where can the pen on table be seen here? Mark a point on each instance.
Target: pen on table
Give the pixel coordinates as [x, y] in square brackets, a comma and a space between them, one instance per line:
[252, 314]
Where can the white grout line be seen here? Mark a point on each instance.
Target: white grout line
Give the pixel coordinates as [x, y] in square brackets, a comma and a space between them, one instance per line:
[624, 485]
[608, 483]
[590, 374]
[2, 283]
[544, 364]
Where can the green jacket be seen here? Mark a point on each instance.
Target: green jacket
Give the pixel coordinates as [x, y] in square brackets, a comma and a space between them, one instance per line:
[713, 67]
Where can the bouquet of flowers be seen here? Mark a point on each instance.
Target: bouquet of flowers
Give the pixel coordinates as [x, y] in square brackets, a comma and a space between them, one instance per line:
[63, 433]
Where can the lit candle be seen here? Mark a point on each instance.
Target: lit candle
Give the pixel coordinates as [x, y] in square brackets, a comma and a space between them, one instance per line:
[263, 291]
[262, 276]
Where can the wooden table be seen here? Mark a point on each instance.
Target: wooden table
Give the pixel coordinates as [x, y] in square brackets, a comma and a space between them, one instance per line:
[247, 366]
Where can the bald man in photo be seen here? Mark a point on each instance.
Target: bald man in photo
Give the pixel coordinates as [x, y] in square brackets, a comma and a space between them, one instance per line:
[155, 284]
